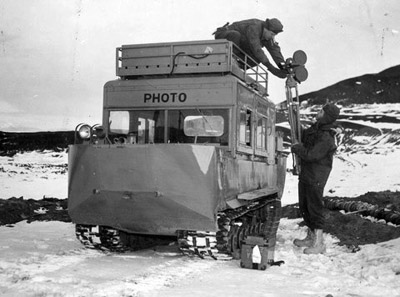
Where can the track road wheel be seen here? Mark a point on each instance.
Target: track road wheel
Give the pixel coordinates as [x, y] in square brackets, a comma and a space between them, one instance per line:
[88, 235]
[111, 239]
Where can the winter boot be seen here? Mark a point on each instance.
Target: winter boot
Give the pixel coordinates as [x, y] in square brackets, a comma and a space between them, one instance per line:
[306, 242]
[318, 246]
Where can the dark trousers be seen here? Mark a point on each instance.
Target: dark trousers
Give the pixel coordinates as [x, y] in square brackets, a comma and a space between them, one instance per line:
[235, 37]
[231, 35]
[311, 205]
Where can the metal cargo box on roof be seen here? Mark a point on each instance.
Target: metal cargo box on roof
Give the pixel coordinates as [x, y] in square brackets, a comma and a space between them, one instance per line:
[176, 57]
[187, 58]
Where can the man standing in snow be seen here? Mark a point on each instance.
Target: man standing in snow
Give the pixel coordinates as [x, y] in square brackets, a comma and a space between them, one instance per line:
[316, 157]
[251, 36]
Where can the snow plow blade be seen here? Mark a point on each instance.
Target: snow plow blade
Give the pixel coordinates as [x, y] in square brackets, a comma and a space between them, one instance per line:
[146, 189]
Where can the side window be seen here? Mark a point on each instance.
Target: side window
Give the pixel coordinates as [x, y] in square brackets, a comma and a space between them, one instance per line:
[245, 134]
[261, 133]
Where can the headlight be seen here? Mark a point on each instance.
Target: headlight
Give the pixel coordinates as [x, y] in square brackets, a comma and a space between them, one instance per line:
[84, 131]
[98, 132]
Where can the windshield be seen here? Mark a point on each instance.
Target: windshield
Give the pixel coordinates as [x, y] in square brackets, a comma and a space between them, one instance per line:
[170, 126]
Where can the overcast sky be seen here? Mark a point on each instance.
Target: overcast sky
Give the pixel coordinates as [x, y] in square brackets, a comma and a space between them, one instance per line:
[56, 55]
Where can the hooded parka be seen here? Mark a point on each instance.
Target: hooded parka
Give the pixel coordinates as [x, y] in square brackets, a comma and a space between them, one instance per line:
[316, 158]
[316, 154]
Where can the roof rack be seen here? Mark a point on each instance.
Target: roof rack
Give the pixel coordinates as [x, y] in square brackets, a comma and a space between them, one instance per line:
[192, 57]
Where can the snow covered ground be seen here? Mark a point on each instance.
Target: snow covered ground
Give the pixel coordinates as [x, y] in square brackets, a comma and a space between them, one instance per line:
[45, 259]
[34, 175]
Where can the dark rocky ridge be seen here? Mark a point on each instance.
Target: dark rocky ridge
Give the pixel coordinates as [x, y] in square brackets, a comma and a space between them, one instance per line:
[382, 87]
[14, 142]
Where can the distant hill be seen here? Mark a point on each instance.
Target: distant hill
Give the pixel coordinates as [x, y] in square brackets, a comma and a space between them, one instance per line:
[12, 143]
[382, 87]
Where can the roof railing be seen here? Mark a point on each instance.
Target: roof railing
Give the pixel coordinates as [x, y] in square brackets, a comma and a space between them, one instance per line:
[251, 68]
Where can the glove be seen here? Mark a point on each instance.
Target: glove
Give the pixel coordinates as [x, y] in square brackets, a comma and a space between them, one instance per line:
[296, 148]
[281, 66]
[275, 71]
[336, 130]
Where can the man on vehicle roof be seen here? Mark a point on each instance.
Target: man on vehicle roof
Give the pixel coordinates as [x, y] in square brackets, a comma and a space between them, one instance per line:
[251, 36]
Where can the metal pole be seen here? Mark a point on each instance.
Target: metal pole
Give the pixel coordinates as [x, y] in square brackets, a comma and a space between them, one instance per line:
[294, 118]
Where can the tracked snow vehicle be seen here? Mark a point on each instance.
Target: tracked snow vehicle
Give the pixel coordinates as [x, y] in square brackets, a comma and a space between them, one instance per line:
[187, 148]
